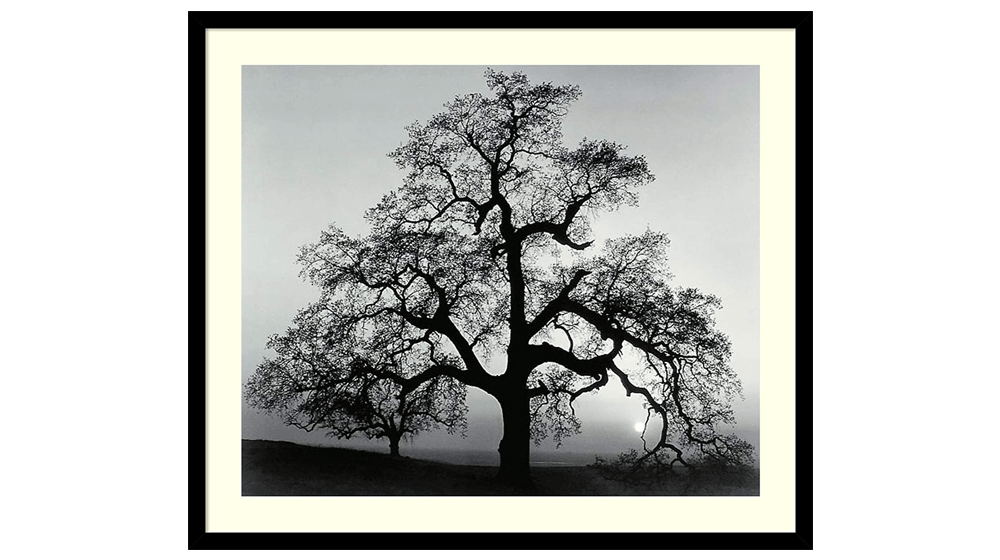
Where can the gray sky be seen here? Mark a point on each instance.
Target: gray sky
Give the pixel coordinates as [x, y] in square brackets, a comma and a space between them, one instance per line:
[314, 145]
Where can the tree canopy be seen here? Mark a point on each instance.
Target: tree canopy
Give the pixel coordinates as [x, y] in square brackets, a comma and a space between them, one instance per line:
[315, 383]
[479, 271]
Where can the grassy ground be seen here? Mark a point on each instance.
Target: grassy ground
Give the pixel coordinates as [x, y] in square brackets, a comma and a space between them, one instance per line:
[273, 468]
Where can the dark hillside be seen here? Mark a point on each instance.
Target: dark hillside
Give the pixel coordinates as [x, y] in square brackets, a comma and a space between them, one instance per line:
[273, 468]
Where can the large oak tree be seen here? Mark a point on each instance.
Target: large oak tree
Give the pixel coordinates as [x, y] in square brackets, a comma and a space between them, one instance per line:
[479, 271]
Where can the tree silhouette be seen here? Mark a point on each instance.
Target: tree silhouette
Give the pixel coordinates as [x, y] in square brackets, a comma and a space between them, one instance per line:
[315, 383]
[482, 258]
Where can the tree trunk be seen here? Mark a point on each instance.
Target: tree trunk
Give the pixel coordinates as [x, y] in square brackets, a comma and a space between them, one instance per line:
[514, 447]
[394, 444]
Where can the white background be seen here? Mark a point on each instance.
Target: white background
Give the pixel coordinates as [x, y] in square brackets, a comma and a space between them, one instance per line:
[93, 223]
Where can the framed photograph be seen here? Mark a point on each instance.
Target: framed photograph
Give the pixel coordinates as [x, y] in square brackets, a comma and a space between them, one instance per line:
[511, 278]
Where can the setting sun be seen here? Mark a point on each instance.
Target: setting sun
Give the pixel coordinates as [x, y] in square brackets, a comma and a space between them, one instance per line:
[639, 426]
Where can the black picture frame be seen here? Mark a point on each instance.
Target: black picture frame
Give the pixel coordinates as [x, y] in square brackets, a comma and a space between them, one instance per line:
[198, 25]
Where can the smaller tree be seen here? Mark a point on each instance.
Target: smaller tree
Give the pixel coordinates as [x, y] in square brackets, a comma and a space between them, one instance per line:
[323, 378]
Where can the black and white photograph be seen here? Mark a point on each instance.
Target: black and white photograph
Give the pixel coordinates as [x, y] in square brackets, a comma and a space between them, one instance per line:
[500, 280]
[443, 279]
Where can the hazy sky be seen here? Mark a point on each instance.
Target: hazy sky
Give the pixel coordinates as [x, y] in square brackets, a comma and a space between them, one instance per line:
[314, 145]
